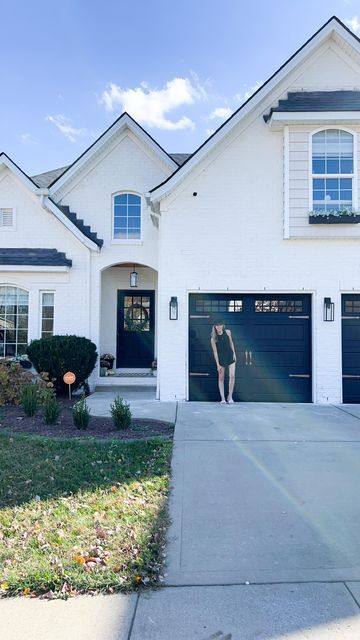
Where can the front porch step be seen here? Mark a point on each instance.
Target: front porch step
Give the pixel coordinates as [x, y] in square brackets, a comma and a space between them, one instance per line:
[117, 381]
[121, 389]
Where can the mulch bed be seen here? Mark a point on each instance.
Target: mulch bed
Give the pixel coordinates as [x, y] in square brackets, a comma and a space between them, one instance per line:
[14, 419]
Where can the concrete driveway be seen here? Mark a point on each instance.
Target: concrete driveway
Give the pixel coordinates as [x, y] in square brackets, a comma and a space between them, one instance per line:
[265, 493]
[264, 542]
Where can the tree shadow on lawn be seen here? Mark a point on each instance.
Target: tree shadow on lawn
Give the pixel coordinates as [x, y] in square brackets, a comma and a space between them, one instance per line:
[80, 516]
[33, 467]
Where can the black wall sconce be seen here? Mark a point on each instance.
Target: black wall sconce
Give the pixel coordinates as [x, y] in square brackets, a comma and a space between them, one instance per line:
[329, 310]
[134, 278]
[173, 308]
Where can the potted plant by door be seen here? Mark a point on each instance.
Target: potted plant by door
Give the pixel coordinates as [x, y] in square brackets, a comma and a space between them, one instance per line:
[107, 360]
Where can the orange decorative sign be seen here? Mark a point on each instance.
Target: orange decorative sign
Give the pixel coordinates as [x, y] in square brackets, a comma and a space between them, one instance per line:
[69, 377]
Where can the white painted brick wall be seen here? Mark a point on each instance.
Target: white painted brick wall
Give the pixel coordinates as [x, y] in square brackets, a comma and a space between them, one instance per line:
[38, 228]
[230, 238]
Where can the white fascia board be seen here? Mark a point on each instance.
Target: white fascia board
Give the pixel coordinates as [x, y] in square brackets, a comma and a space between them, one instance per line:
[33, 267]
[123, 123]
[279, 119]
[7, 162]
[298, 58]
[69, 225]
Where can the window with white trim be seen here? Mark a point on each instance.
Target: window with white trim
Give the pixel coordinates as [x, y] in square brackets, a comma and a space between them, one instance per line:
[14, 314]
[127, 216]
[47, 314]
[332, 170]
[6, 218]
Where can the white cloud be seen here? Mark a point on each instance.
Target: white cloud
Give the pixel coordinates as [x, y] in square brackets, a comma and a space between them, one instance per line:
[209, 132]
[353, 24]
[248, 92]
[27, 138]
[221, 112]
[63, 124]
[151, 106]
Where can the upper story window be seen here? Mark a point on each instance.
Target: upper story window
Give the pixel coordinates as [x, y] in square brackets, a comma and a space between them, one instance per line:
[127, 216]
[332, 170]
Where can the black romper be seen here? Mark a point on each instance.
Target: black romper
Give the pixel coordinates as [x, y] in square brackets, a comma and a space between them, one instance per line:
[225, 352]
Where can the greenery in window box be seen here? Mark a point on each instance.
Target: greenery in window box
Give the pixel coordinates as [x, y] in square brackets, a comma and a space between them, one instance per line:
[341, 216]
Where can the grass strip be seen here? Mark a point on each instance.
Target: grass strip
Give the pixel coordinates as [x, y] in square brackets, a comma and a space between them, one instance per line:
[81, 516]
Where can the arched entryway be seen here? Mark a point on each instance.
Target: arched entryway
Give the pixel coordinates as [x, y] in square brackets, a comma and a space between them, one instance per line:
[128, 315]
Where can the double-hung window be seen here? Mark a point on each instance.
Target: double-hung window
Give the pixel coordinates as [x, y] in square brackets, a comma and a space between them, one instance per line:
[332, 170]
[127, 216]
[47, 314]
[14, 312]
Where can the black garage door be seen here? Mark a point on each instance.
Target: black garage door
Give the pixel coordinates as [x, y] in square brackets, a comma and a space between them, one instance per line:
[351, 348]
[272, 337]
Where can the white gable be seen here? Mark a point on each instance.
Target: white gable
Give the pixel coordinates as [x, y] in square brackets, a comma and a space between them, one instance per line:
[330, 69]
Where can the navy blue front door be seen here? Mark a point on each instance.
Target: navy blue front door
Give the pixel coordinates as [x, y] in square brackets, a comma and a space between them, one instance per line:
[351, 348]
[135, 329]
[272, 338]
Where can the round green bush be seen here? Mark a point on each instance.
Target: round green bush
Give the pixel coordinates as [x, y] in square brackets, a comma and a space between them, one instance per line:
[58, 354]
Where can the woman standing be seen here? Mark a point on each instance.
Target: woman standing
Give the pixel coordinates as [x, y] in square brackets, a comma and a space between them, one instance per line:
[225, 356]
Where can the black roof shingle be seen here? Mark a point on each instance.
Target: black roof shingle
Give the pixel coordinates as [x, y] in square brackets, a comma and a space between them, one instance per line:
[34, 257]
[317, 101]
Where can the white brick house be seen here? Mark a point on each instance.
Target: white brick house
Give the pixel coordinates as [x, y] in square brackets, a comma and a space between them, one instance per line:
[226, 234]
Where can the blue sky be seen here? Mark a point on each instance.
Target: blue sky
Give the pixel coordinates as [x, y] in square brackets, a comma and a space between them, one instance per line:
[69, 69]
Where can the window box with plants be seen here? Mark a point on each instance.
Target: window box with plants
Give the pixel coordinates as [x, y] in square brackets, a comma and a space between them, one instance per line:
[342, 216]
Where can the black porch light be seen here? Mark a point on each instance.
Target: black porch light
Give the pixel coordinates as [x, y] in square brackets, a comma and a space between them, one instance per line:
[173, 308]
[329, 310]
[134, 276]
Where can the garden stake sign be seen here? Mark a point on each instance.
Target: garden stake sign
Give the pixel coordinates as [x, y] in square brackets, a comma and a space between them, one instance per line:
[69, 378]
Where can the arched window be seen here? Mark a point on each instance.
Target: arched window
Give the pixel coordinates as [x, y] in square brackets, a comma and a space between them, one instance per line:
[14, 309]
[127, 216]
[332, 170]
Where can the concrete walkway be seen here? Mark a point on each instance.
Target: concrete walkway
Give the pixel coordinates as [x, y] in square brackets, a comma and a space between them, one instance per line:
[142, 404]
[264, 543]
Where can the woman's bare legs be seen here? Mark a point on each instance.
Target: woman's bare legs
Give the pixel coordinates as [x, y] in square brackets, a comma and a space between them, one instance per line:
[221, 372]
[231, 381]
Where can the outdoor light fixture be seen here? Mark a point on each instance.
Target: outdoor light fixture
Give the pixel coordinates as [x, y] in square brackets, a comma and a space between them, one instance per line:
[329, 310]
[133, 278]
[173, 308]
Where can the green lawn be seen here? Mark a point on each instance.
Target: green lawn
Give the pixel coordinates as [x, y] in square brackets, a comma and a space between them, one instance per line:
[81, 515]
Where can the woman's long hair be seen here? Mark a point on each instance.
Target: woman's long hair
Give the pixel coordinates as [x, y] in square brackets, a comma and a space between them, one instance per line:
[214, 334]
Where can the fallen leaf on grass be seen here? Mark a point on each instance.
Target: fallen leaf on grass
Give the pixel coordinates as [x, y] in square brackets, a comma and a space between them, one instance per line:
[79, 559]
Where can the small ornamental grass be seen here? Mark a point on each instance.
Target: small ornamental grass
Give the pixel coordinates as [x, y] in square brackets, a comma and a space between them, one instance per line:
[121, 414]
[51, 407]
[29, 399]
[81, 414]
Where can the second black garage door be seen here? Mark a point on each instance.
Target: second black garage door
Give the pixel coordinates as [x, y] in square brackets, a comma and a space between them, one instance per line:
[272, 337]
[351, 348]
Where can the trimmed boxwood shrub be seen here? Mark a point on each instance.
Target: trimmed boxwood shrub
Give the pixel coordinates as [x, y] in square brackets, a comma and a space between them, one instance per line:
[58, 354]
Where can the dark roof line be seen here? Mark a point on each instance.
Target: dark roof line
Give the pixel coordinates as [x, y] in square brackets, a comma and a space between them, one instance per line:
[257, 91]
[34, 257]
[102, 135]
[17, 166]
[45, 179]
